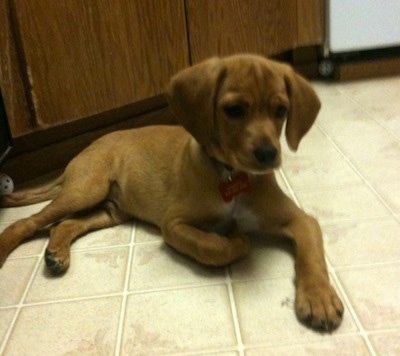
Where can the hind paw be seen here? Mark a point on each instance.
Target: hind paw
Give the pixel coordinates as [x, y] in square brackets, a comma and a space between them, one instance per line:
[57, 262]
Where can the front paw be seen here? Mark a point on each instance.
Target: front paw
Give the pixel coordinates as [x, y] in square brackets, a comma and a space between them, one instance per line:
[319, 306]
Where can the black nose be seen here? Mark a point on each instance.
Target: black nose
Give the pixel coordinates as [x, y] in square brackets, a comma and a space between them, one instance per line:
[266, 154]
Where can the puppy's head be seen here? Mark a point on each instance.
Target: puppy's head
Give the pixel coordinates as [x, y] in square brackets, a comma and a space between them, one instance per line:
[237, 106]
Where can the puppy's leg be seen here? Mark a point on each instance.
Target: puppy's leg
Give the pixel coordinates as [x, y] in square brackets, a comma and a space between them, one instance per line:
[74, 197]
[23, 229]
[58, 251]
[316, 301]
[208, 248]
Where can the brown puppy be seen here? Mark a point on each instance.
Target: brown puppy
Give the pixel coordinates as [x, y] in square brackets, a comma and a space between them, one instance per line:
[206, 190]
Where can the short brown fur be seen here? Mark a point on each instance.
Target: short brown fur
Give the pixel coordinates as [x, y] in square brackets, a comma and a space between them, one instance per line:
[234, 110]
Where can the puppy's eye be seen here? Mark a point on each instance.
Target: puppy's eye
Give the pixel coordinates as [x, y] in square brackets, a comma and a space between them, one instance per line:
[281, 112]
[235, 111]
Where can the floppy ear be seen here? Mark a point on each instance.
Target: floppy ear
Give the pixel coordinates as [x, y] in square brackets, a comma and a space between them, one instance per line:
[304, 107]
[191, 95]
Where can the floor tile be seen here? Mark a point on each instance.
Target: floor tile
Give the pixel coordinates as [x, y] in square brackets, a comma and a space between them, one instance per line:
[339, 114]
[75, 328]
[155, 265]
[390, 192]
[363, 140]
[13, 214]
[185, 320]
[314, 168]
[12, 288]
[266, 313]
[380, 166]
[375, 293]
[344, 203]
[92, 272]
[269, 258]
[30, 247]
[355, 130]
[314, 138]
[384, 106]
[6, 317]
[313, 172]
[351, 243]
[330, 346]
[147, 233]
[118, 235]
[386, 343]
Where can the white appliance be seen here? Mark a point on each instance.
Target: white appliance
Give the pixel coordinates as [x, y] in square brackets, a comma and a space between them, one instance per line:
[355, 25]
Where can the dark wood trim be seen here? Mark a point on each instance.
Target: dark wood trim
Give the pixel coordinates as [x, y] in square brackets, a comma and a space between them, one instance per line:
[305, 61]
[45, 137]
[30, 164]
[368, 68]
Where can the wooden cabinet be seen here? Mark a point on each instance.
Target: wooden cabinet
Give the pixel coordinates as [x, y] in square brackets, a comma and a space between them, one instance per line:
[79, 58]
[71, 70]
[267, 27]
[226, 26]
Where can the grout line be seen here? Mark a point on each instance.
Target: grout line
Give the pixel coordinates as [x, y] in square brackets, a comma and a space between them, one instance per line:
[152, 242]
[118, 294]
[361, 331]
[338, 221]
[98, 248]
[22, 257]
[304, 341]
[204, 352]
[21, 304]
[235, 316]
[289, 187]
[372, 219]
[320, 188]
[85, 249]
[65, 300]
[359, 267]
[177, 287]
[122, 313]
[293, 194]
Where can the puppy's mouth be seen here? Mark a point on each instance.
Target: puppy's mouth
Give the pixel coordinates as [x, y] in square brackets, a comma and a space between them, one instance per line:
[255, 167]
[262, 160]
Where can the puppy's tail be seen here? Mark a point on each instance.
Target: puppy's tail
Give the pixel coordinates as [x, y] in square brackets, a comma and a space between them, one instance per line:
[32, 196]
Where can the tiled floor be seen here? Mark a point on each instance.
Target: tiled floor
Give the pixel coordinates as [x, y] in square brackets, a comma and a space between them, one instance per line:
[127, 293]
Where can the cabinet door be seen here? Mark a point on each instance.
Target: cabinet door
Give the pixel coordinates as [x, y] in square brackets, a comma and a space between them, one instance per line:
[83, 57]
[222, 27]
[310, 22]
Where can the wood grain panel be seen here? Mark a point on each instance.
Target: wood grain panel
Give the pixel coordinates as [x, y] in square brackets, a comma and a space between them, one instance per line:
[310, 22]
[223, 27]
[11, 81]
[84, 57]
